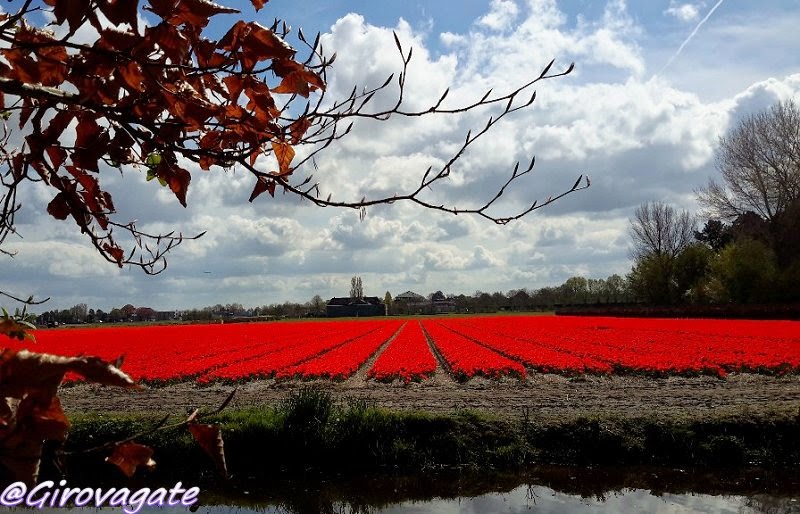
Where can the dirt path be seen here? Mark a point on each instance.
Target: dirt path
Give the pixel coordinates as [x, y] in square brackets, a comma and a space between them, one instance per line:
[547, 394]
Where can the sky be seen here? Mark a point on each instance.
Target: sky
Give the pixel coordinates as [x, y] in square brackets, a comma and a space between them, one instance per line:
[656, 83]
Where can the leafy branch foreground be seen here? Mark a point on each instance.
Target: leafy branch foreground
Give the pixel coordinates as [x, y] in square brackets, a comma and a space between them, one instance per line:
[31, 415]
[166, 99]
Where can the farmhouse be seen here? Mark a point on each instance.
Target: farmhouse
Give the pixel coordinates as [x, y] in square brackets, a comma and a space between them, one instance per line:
[355, 307]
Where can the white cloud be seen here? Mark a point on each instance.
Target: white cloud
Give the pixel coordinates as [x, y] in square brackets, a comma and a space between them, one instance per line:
[500, 16]
[684, 12]
[638, 138]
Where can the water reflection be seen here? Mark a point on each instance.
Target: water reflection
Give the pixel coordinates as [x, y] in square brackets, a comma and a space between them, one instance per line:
[556, 490]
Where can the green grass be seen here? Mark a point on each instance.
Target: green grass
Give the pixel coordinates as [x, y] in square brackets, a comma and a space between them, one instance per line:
[309, 431]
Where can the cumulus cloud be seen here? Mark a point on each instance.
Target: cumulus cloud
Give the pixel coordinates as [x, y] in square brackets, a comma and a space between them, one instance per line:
[500, 16]
[638, 138]
[684, 12]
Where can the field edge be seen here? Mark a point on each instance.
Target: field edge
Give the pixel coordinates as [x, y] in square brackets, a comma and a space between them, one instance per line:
[358, 437]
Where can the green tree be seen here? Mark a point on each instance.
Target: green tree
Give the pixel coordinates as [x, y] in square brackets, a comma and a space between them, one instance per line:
[691, 271]
[745, 272]
[388, 302]
[651, 279]
[317, 305]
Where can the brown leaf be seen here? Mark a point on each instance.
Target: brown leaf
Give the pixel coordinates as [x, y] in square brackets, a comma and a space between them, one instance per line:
[209, 437]
[297, 82]
[190, 12]
[52, 63]
[132, 74]
[176, 177]
[121, 11]
[284, 153]
[23, 68]
[87, 132]
[43, 416]
[23, 371]
[59, 207]
[262, 184]
[298, 129]
[129, 456]
[258, 4]
[263, 44]
[115, 252]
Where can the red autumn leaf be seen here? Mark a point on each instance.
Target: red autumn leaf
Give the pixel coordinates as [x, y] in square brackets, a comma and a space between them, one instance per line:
[130, 456]
[23, 68]
[284, 153]
[57, 126]
[115, 252]
[73, 11]
[264, 44]
[121, 11]
[176, 178]
[235, 84]
[132, 74]
[59, 207]
[52, 65]
[298, 129]
[24, 371]
[195, 13]
[114, 39]
[43, 416]
[297, 82]
[209, 437]
[258, 4]
[87, 132]
[57, 156]
[263, 184]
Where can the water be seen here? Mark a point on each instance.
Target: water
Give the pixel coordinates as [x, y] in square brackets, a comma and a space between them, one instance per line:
[556, 490]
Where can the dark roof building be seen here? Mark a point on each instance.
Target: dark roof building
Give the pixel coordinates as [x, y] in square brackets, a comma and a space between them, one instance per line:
[355, 307]
[409, 297]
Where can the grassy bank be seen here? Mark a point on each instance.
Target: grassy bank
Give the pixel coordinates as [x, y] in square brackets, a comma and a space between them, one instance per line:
[309, 431]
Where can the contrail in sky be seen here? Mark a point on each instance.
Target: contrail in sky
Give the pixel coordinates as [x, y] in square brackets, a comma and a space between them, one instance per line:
[686, 41]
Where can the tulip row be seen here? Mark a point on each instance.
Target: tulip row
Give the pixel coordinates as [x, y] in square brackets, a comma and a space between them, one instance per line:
[659, 347]
[408, 357]
[466, 358]
[488, 346]
[343, 361]
[316, 344]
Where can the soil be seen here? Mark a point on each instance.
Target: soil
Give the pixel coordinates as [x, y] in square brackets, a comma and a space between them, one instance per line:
[547, 394]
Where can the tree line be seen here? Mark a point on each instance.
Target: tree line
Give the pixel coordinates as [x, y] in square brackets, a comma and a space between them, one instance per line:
[748, 248]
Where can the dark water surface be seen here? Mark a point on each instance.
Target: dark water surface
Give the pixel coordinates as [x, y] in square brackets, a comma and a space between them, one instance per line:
[557, 490]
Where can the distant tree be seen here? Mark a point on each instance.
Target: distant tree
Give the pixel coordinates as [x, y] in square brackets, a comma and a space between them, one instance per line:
[128, 311]
[437, 296]
[388, 302]
[317, 305]
[657, 228]
[759, 160]
[79, 312]
[575, 290]
[691, 273]
[520, 300]
[651, 279]
[356, 288]
[715, 234]
[746, 272]
[615, 287]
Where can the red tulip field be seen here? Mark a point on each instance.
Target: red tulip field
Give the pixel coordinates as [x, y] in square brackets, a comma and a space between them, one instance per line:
[411, 350]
